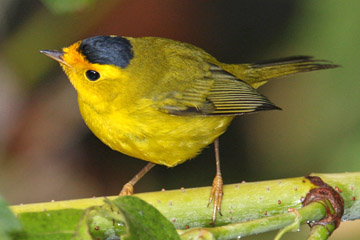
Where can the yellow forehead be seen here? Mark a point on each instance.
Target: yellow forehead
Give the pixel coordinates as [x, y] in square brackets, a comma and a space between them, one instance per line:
[74, 58]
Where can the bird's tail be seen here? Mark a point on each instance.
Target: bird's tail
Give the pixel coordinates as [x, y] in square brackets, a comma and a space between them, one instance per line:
[257, 74]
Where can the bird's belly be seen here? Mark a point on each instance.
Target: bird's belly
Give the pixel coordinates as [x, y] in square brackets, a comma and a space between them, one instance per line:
[159, 138]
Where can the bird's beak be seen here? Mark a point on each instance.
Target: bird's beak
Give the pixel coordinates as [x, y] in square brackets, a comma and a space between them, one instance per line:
[56, 55]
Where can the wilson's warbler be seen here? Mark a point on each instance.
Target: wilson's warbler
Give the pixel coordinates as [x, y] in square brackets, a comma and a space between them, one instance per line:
[163, 101]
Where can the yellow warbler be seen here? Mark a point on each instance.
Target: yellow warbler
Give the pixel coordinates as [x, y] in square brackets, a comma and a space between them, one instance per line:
[163, 101]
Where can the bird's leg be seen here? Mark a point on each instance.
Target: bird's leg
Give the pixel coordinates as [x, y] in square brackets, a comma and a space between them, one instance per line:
[217, 185]
[128, 188]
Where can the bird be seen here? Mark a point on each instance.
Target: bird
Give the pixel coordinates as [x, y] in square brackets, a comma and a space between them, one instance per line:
[164, 101]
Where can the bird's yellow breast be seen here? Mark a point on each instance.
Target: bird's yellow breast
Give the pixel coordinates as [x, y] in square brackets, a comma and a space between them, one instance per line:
[148, 134]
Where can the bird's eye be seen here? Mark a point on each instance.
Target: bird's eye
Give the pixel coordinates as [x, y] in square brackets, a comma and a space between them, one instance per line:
[92, 75]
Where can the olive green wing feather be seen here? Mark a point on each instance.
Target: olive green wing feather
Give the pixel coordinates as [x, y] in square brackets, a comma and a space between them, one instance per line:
[218, 92]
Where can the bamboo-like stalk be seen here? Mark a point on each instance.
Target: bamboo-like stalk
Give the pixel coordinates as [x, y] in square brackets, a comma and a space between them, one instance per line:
[267, 201]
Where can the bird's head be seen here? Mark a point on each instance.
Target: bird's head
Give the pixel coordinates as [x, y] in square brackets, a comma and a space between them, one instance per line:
[97, 66]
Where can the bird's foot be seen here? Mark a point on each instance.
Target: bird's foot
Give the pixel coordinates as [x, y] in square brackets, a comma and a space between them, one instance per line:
[128, 189]
[216, 196]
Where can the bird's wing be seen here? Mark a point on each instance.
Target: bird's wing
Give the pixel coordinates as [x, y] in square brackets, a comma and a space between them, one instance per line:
[217, 92]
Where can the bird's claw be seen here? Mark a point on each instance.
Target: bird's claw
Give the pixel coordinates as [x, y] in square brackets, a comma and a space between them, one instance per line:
[216, 195]
[128, 189]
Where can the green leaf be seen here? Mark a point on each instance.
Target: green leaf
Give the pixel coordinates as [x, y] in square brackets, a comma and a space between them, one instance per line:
[82, 232]
[143, 220]
[126, 217]
[49, 225]
[101, 223]
[8, 222]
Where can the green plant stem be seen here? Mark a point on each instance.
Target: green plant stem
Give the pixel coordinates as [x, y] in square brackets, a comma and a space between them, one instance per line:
[186, 208]
[321, 232]
[314, 211]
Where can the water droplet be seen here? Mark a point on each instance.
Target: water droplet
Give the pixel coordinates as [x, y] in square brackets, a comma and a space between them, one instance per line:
[120, 224]
[141, 213]
[238, 237]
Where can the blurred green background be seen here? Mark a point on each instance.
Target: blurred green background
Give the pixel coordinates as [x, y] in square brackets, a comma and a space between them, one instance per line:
[46, 151]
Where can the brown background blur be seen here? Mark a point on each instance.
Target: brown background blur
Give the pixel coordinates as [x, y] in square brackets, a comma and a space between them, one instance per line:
[47, 152]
